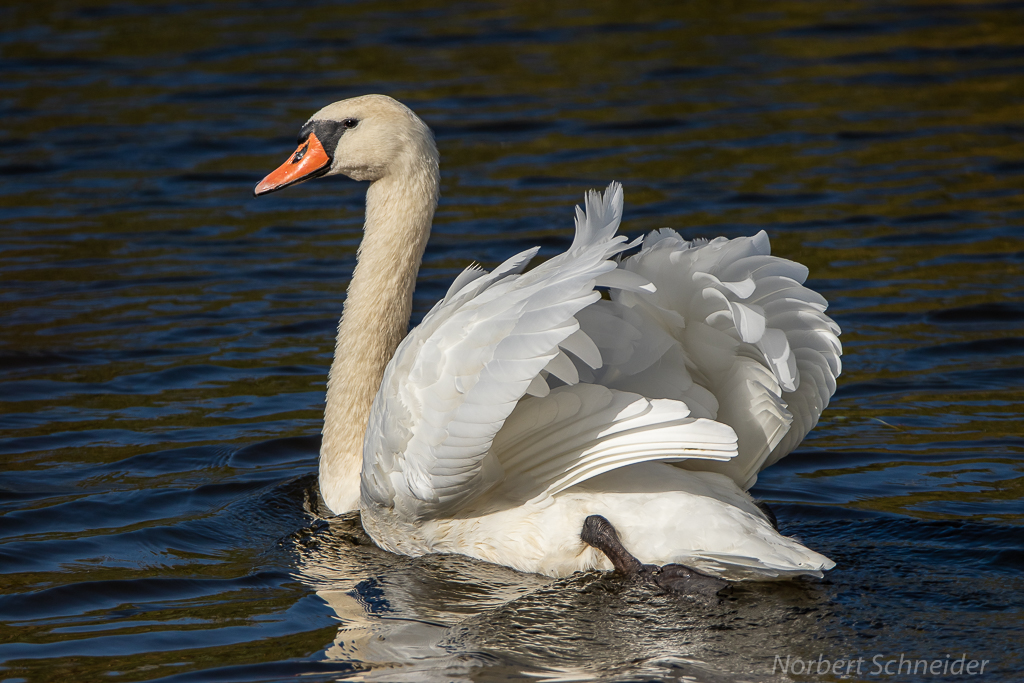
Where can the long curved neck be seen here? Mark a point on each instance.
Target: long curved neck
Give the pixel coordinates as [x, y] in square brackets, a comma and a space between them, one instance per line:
[399, 211]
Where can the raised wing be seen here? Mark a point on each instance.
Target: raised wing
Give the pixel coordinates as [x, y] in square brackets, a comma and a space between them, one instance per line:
[456, 378]
[523, 385]
[494, 338]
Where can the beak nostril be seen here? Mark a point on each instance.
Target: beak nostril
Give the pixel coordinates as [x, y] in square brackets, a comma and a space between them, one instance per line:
[308, 162]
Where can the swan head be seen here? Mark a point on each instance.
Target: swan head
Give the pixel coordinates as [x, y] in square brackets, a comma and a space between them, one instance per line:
[364, 138]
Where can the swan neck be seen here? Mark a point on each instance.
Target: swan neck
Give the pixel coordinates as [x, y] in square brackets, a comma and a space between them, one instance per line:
[399, 211]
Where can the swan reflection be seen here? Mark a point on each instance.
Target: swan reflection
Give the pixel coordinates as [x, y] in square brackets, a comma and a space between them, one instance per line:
[449, 617]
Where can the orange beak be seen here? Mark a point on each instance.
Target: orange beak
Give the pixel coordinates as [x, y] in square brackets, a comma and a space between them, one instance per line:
[309, 161]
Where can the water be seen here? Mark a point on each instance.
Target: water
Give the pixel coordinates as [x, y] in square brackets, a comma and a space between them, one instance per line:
[166, 337]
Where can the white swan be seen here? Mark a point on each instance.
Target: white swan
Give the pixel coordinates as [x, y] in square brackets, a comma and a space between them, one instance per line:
[525, 401]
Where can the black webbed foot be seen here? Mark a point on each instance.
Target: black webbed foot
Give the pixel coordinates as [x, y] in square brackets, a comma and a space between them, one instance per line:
[676, 578]
[673, 578]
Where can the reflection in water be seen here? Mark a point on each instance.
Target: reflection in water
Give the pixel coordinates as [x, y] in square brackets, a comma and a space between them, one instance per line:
[443, 617]
[395, 612]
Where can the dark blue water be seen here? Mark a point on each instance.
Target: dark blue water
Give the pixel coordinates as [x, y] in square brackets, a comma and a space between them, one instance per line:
[165, 337]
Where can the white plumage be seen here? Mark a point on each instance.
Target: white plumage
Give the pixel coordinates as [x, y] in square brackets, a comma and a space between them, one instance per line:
[525, 401]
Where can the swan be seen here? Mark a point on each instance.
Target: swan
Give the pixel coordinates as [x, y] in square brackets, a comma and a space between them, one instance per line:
[526, 403]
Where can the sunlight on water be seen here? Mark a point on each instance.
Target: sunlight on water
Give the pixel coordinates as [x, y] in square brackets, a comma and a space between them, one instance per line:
[166, 336]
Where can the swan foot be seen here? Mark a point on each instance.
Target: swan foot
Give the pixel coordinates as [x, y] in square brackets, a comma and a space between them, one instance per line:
[599, 533]
[673, 578]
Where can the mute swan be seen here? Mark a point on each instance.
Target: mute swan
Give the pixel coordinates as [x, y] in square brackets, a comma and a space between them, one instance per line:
[525, 403]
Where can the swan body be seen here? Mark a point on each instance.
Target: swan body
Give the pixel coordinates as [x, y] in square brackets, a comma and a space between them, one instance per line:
[525, 402]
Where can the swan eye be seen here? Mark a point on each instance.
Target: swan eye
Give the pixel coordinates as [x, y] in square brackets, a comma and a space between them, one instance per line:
[350, 123]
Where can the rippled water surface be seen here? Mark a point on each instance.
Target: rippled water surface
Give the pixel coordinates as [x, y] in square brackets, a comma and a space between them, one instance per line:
[165, 337]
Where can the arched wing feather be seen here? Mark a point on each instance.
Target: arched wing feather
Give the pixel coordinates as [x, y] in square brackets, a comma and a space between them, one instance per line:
[578, 432]
[458, 376]
[703, 344]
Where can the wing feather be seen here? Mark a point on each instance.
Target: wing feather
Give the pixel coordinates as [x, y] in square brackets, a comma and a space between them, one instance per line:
[576, 433]
[710, 353]
[474, 356]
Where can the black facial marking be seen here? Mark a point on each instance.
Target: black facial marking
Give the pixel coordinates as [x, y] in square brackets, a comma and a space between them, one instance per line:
[328, 132]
